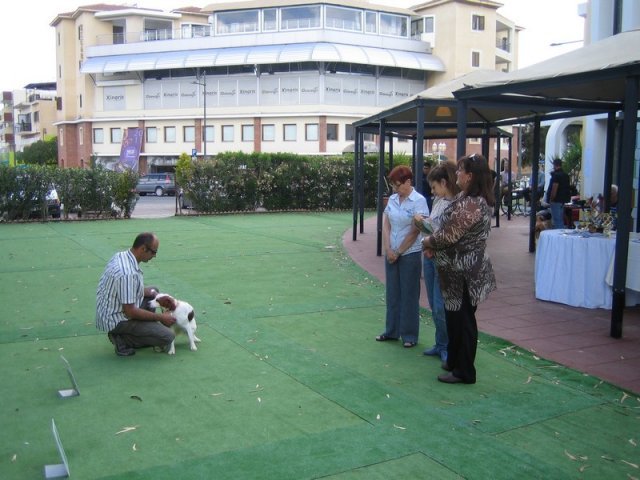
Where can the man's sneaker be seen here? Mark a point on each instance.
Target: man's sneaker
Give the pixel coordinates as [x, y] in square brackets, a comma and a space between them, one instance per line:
[122, 349]
[432, 352]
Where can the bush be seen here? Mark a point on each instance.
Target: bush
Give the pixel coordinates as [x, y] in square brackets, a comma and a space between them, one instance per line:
[233, 181]
[237, 181]
[23, 191]
[97, 190]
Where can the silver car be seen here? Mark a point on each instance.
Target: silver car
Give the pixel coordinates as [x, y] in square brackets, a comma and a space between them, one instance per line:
[157, 183]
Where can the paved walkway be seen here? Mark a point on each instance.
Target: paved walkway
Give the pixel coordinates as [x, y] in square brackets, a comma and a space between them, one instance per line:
[575, 337]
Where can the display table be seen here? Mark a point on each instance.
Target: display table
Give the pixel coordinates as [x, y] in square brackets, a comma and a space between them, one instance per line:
[573, 269]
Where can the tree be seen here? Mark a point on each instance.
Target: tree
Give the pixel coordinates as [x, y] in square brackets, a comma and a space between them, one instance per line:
[572, 159]
[526, 147]
[42, 152]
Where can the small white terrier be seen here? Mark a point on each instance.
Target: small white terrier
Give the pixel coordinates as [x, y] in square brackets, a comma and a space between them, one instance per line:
[185, 318]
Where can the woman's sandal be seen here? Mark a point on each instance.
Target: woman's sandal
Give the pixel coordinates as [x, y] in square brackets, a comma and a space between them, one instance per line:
[383, 338]
[410, 344]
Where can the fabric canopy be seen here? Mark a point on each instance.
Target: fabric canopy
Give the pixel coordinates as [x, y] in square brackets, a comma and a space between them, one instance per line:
[261, 55]
[594, 73]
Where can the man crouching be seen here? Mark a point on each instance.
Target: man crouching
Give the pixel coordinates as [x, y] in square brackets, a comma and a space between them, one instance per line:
[121, 300]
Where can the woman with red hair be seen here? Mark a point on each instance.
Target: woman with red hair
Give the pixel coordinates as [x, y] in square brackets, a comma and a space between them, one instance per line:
[403, 254]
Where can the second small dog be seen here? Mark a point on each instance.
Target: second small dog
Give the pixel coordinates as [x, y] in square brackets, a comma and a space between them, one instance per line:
[185, 318]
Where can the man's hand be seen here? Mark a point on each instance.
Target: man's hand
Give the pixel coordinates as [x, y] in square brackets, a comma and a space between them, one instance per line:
[167, 320]
[150, 292]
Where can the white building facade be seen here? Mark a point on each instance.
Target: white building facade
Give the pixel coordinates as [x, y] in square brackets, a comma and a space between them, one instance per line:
[603, 18]
[255, 76]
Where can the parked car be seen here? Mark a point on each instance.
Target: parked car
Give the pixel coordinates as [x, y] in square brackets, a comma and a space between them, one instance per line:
[157, 183]
[184, 200]
[53, 203]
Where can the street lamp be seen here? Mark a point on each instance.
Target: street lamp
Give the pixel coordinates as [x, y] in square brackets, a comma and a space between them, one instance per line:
[204, 105]
[438, 149]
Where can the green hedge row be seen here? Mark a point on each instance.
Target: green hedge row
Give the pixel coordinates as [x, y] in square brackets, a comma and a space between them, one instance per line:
[95, 191]
[229, 182]
[237, 181]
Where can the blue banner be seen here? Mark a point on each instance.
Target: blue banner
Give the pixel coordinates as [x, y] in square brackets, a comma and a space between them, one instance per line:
[130, 149]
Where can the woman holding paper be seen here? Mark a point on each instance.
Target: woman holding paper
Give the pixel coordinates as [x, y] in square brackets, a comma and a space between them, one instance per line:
[442, 179]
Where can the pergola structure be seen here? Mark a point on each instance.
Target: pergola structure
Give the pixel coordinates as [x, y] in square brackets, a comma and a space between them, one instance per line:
[602, 75]
[436, 113]
[599, 78]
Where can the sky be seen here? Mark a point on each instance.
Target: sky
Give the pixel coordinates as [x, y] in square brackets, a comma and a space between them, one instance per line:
[29, 40]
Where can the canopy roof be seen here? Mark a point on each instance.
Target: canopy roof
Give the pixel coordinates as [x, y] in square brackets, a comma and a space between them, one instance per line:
[594, 73]
[441, 105]
[261, 55]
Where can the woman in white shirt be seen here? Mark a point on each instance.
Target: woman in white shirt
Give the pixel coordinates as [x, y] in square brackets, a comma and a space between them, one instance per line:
[401, 242]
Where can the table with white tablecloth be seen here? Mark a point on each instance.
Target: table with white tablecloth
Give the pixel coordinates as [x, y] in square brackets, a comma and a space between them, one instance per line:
[577, 269]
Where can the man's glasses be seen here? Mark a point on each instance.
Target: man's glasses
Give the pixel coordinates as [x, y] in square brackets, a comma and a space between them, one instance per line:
[149, 249]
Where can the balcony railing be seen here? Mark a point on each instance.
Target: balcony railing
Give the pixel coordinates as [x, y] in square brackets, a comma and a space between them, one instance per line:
[22, 127]
[154, 35]
[503, 44]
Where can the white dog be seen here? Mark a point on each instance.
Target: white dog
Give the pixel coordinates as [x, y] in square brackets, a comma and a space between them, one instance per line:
[183, 313]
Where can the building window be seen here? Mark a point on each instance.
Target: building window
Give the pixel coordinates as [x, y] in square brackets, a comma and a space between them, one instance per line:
[227, 133]
[98, 135]
[81, 136]
[209, 134]
[269, 20]
[194, 30]
[169, 134]
[290, 132]
[370, 22]
[475, 141]
[247, 133]
[242, 21]
[80, 28]
[189, 134]
[429, 24]
[332, 131]
[394, 25]
[80, 100]
[116, 135]
[61, 137]
[475, 59]
[343, 18]
[268, 133]
[152, 135]
[349, 132]
[477, 23]
[297, 18]
[311, 132]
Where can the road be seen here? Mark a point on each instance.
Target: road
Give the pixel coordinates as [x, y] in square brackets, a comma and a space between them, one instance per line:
[151, 206]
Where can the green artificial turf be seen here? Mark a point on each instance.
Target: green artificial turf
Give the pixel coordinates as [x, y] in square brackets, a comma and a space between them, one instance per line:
[287, 382]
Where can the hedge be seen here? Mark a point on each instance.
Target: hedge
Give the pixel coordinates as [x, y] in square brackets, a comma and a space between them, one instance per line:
[232, 181]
